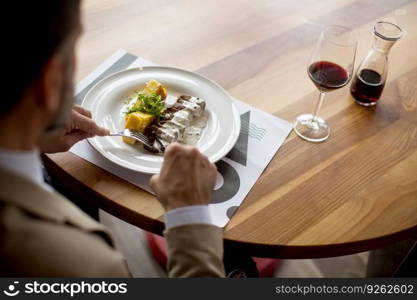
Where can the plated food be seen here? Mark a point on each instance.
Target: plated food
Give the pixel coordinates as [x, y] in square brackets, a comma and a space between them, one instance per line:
[106, 102]
[165, 119]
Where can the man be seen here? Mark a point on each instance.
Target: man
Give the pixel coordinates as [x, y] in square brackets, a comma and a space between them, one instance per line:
[42, 234]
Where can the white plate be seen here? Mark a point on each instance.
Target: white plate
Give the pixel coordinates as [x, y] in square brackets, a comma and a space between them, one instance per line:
[106, 102]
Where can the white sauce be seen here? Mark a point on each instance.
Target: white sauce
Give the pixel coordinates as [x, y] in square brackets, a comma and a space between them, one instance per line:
[182, 117]
[170, 100]
[187, 124]
[193, 132]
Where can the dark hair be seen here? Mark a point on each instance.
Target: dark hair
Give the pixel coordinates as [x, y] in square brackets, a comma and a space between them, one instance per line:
[38, 30]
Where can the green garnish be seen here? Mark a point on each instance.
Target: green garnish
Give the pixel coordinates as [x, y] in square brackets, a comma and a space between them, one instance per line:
[148, 103]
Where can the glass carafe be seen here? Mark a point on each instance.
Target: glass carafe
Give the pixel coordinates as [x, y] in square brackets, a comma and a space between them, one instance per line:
[369, 80]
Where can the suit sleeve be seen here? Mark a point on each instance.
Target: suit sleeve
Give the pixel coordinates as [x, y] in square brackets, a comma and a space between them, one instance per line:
[195, 251]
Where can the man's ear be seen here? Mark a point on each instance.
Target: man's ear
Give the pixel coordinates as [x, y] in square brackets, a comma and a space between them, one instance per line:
[49, 85]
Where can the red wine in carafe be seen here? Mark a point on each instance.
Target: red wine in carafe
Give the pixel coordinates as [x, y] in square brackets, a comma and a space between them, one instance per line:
[367, 87]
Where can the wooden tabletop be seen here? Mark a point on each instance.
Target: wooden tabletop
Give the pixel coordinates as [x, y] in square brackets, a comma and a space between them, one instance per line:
[354, 192]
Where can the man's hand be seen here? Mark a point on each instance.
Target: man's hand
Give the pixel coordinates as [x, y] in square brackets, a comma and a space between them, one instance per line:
[187, 178]
[81, 127]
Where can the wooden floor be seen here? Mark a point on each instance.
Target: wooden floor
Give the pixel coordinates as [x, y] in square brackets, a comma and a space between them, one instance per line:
[131, 241]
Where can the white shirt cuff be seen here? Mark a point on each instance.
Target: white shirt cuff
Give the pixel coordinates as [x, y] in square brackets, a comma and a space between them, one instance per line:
[194, 214]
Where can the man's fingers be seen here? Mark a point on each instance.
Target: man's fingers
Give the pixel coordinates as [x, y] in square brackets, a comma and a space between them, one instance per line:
[82, 110]
[173, 149]
[74, 137]
[88, 125]
[153, 181]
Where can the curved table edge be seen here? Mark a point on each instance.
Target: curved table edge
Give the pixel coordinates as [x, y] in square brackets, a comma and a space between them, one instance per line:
[253, 249]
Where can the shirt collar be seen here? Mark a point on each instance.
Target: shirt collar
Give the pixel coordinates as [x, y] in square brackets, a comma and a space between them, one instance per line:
[27, 164]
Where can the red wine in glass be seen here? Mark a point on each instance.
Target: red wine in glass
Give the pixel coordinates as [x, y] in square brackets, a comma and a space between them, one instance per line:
[330, 67]
[367, 87]
[327, 75]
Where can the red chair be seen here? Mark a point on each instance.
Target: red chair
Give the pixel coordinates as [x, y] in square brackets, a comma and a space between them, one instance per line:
[266, 266]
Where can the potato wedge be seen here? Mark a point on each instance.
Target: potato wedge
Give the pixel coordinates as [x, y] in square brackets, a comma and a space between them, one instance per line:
[156, 87]
[137, 121]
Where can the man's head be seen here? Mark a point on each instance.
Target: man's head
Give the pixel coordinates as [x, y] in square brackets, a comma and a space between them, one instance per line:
[39, 64]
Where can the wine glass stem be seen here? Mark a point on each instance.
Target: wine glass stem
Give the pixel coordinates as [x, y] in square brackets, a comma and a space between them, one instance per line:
[319, 103]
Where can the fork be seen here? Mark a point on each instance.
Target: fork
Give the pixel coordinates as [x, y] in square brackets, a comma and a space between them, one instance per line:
[140, 137]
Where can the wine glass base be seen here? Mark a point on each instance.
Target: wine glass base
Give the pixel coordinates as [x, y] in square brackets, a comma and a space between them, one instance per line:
[311, 130]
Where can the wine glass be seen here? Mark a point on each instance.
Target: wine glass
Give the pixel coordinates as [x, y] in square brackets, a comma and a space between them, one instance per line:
[330, 67]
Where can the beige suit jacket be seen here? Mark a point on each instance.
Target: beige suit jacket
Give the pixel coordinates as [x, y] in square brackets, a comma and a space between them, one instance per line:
[43, 234]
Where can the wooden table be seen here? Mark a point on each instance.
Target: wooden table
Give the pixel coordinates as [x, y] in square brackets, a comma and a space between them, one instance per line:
[355, 192]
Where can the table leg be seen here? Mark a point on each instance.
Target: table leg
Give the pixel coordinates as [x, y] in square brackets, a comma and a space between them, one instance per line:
[407, 268]
[385, 261]
[238, 263]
